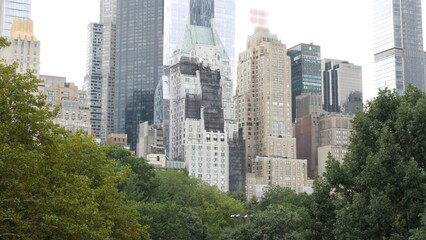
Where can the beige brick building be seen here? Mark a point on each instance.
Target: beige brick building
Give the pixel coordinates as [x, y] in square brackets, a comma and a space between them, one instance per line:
[263, 105]
[73, 105]
[284, 172]
[335, 132]
[263, 98]
[308, 110]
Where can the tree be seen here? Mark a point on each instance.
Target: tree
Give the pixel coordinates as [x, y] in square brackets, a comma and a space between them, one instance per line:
[419, 233]
[380, 189]
[205, 202]
[142, 183]
[170, 221]
[322, 210]
[276, 222]
[276, 195]
[54, 184]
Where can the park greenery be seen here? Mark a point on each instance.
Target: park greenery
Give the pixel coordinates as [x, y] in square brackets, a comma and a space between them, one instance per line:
[60, 185]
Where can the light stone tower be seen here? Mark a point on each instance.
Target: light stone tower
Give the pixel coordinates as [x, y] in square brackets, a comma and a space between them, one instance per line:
[263, 105]
[264, 98]
[24, 48]
[202, 118]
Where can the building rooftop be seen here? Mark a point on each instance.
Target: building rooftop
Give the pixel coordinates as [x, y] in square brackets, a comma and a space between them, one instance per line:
[194, 35]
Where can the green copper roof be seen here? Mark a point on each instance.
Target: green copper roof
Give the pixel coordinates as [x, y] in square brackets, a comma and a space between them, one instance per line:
[200, 35]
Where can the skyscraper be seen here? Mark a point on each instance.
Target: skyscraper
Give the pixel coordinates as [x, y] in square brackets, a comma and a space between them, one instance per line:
[100, 69]
[201, 12]
[108, 15]
[11, 9]
[139, 64]
[93, 78]
[398, 44]
[309, 110]
[24, 48]
[202, 118]
[176, 16]
[342, 86]
[305, 71]
[263, 99]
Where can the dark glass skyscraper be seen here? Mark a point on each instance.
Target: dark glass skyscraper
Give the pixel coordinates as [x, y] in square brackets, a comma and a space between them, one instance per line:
[398, 44]
[201, 12]
[305, 71]
[139, 63]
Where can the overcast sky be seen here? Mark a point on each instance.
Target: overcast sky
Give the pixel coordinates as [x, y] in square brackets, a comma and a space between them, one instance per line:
[341, 27]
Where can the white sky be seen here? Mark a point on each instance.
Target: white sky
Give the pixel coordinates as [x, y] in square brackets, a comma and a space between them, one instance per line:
[341, 27]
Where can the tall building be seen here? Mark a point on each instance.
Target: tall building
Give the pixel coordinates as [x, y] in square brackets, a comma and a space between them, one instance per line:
[100, 69]
[201, 12]
[263, 98]
[342, 86]
[335, 133]
[202, 117]
[308, 109]
[74, 113]
[305, 71]
[93, 78]
[162, 109]
[9, 10]
[398, 44]
[177, 15]
[24, 48]
[108, 16]
[139, 64]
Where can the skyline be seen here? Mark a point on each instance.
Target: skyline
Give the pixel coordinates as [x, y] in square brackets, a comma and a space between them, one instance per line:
[335, 25]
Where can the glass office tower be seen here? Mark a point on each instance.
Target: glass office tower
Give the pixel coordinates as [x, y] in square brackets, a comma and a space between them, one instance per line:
[398, 44]
[11, 9]
[139, 64]
[176, 16]
[305, 71]
[201, 12]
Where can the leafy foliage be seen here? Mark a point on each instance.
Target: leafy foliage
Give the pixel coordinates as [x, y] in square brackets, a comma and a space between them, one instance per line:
[53, 184]
[206, 203]
[381, 187]
[142, 183]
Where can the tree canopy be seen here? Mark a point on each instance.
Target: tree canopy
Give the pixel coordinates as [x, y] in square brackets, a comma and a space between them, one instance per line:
[54, 184]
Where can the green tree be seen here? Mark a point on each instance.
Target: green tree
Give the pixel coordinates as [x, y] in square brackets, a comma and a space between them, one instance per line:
[380, 189]
[170, 221]
[142, 183]
[276, 195]
[276, 222]
[53, 184]
[322, 210]
[419, 233]
[205, 202]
